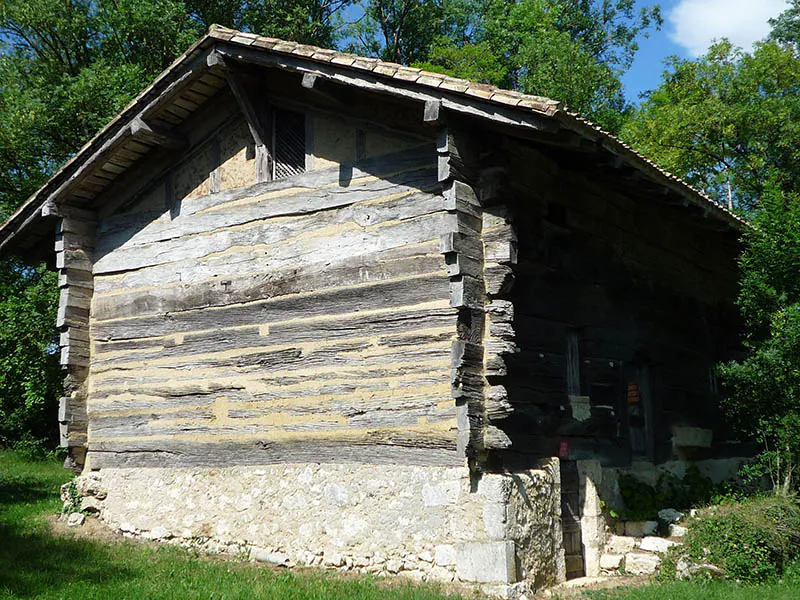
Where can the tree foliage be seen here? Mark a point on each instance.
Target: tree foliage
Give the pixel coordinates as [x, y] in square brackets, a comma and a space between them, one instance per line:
[30, 377]
[763, 389]
[728, 122]
[571, 50]
[786, 27]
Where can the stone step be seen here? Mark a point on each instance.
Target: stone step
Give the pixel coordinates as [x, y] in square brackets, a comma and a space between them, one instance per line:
[641, 563]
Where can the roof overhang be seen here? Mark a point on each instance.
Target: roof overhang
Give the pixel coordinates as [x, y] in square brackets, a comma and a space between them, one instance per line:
[172, 95]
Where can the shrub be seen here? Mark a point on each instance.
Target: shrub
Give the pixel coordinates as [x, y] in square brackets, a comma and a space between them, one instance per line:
[643, 501]
[753, 541]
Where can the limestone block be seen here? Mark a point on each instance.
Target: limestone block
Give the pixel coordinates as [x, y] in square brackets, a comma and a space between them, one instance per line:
[441, 574]
[91, 504]
[620, 544]
[332, 558]
[591, 532]
[494, 520]
[611, 562]
[494, 488]
[591, 561]
[640, 563]
[444, 555]
[157, 533]
[656, 544]
[685, 569]
[640, 528]
[677, 531]
[486, 562]
[590, 474]
[76, 519]
[336, 495]
[691, 437]
[394, 565]
[441, 494]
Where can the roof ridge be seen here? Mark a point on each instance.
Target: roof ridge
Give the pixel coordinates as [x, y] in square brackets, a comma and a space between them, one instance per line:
[513, 98]
[549, 106]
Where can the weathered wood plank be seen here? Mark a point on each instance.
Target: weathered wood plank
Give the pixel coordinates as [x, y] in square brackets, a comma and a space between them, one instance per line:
[318, 247]
[76, 278]
[461, 264]
[499, 279]
[74, 259]
[79, 227]
[382, 329]
[72, 316]
[461, 197]
[309, 413]
[467, 292]
[398, 167]
[217, 291]
[174, 393]
[413, 290]
[341, 359]
[150, 133]
[214, 235]
[469, 246]
[391, 450]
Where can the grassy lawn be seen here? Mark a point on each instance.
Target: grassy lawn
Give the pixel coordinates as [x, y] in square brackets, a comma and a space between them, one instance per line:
[789, 589]
[36, 564]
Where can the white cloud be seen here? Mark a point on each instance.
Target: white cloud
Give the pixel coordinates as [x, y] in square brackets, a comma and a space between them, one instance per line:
[695, 23]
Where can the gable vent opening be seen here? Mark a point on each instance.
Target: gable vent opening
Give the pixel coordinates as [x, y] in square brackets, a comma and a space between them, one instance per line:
[289, 143]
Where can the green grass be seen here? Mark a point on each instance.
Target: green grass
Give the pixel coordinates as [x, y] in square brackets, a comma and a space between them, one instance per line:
[36, 564]
[788, 589]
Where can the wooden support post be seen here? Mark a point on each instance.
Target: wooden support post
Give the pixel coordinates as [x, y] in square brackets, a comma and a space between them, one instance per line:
[253, 113]
[433, 110]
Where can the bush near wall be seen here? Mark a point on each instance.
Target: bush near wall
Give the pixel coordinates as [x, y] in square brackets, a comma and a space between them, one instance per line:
[753, 541]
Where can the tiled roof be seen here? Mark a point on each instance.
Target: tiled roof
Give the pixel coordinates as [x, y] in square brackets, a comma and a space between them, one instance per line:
[538, 104]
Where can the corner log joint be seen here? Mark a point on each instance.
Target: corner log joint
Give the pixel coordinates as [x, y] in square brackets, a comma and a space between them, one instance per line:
[74, 247]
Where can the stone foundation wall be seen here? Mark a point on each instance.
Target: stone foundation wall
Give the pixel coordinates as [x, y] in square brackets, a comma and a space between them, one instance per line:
[425, 522]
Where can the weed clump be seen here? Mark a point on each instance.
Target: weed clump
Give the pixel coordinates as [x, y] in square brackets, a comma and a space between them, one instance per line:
[753, 541]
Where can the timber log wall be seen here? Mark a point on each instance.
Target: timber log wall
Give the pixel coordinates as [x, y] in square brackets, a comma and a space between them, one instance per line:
[302, 319]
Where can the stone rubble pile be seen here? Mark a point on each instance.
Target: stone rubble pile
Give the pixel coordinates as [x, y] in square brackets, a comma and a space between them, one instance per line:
[636, 549]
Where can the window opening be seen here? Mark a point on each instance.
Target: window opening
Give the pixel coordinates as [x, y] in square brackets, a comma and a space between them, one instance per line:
[289, 143]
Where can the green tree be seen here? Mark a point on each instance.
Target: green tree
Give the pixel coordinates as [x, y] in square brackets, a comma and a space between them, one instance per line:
[30, 376]
[728, 122]
[786, 27]
[573, 51]
[762, 391]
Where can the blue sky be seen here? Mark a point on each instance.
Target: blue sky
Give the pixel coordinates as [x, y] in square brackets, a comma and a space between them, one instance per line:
[689, 27]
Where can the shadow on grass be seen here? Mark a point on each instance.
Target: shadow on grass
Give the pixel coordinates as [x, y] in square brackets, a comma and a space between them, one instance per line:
[24, 491]
[36, 563]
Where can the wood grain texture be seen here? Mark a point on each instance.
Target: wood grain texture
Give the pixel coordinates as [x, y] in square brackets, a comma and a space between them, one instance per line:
[369, 449]
[313, 306]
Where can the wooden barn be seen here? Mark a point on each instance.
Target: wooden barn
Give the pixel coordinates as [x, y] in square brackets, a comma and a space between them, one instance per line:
[329, 310]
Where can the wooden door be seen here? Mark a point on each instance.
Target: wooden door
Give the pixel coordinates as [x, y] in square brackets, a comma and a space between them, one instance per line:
[571, 519]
